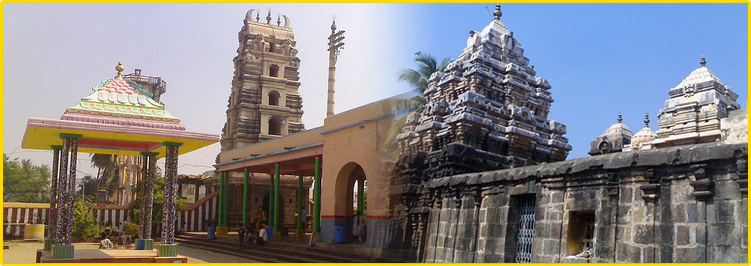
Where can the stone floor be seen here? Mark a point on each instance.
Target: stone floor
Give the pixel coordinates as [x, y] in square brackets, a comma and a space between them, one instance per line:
[25, 252]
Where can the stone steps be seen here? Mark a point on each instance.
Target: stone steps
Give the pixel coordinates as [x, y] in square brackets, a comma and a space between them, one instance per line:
[231, 249]
[282, 252]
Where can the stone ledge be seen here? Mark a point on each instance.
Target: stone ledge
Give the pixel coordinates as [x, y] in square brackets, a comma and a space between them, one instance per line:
[670, 156]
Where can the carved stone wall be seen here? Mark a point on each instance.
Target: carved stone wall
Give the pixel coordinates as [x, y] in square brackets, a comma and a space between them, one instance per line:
[678, 204]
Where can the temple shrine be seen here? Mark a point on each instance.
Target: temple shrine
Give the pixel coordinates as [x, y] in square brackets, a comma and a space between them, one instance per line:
[119, 117]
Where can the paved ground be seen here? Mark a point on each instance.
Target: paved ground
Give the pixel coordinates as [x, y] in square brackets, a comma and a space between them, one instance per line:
[25, 252]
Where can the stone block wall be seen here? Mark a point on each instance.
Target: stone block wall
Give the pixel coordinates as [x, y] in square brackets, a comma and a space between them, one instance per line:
[679, 204]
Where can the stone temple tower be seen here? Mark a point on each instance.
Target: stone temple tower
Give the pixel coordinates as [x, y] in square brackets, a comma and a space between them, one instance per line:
[264, 103]
[489, 108]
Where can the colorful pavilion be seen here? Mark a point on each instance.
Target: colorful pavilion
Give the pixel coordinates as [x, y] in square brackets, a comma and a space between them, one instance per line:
[119, 118]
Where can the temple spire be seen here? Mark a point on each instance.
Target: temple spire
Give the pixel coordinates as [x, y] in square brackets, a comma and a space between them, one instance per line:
[620, 118]
[646, 119]
[497, 13]
[703, 62]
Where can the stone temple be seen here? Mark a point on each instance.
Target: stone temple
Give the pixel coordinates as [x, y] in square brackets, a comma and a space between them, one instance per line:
[489, 103]
[480, 172]
[482, 176]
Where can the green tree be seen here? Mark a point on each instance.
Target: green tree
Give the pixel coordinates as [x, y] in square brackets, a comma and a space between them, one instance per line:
[25, 182]
[84, 224]
[426, 66]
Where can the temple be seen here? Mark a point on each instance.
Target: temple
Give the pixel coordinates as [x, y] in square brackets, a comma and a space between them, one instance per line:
[118, 117]
[264, 104]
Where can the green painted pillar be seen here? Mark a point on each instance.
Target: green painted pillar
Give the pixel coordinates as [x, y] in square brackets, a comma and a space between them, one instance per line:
[245, 198]
[224, 196]
[271, 201]
[276, 198]
[221, 228]
[317, 197]
[300, 230]
[226, 200]
[360, 197]
[219, 202]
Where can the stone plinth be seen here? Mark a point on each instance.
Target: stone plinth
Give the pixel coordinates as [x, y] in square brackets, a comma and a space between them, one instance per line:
[110, 256]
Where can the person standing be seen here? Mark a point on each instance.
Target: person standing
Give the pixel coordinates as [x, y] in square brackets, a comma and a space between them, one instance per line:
[241, 236]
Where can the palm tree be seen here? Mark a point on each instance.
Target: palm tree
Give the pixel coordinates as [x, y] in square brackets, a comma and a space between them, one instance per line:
[426, 66]
[106, 165]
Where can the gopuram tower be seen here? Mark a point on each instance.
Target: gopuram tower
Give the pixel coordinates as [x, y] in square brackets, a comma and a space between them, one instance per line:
[264, 103]
[486, 111]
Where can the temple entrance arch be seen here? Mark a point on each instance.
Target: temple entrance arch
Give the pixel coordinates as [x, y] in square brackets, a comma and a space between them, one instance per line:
[347, 180]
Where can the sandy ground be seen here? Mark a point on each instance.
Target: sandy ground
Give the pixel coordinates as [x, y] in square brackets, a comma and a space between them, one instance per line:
[25, 252]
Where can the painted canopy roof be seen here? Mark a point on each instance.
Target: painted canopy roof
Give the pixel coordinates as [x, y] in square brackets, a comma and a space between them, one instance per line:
[121, 102]
[118, 117]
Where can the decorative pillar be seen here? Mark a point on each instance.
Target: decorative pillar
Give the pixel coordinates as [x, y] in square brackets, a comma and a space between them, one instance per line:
[66, 187]
[276, 201]
[61, 209]
[317, 196]
[300, 232]
[147, 201]
[54, 198]
[245, 198]
[168, 248]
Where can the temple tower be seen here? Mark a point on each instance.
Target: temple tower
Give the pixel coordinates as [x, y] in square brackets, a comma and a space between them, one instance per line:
[264, 102]
[694, 110]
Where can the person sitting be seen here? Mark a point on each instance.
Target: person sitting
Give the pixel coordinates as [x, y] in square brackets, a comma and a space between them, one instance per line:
[262, 235]
[106, 243]
[211, 231]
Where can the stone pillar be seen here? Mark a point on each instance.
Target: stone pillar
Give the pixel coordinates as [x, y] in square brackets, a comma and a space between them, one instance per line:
[147, 201]
[317, 196]
[168, 248]
[245, 197]
[54, 198]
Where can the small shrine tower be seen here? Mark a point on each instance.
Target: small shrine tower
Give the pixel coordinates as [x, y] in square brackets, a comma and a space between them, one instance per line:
[264, 102]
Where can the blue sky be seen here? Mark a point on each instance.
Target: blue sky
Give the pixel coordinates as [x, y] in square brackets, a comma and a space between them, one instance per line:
[601, 59]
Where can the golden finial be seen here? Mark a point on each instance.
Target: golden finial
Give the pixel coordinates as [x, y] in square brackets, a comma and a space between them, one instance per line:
[119, 69]
[620, 118]
[268, 17]
[646, 119]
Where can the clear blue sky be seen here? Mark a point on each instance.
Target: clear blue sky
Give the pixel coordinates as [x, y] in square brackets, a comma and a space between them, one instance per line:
[600, 59]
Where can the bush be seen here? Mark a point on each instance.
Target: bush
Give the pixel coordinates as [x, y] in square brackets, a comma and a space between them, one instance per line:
[84, 224]
[130, 228]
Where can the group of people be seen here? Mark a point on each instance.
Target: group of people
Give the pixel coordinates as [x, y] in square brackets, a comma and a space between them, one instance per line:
[258, 234]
